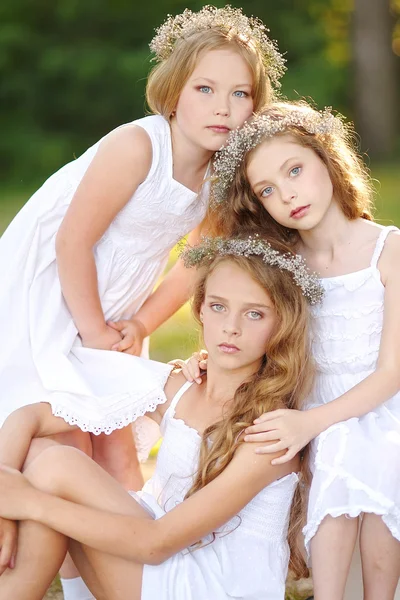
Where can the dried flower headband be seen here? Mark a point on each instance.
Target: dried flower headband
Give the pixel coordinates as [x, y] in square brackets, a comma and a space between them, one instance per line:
[252, 133]
[227, 19]
[210, 248]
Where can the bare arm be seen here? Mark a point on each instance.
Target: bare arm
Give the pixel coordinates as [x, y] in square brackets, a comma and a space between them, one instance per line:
[22, 426]
[144, 540]
[122, 162]
[294, 429]
[174, 290]
[384, 382]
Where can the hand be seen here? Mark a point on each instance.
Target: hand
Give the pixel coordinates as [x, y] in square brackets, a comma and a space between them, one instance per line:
[290, 429]
[192, 366]
[103, 339]
[17, 495]
[8, 544]
[132, 334]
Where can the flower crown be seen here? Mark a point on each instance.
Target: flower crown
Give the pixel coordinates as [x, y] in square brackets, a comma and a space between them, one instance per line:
[210, 248]
[226, 19]
[252, 133]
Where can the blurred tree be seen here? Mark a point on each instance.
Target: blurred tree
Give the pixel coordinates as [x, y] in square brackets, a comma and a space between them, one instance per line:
[375, 76]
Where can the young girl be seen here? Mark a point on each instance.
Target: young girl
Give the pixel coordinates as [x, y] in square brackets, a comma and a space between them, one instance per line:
[212, 521]
[300, 180]
[79, 262]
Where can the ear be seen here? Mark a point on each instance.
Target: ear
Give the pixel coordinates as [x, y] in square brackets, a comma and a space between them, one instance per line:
[201, 312]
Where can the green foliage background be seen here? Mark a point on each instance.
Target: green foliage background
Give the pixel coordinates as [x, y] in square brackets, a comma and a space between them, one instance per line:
[70, 70]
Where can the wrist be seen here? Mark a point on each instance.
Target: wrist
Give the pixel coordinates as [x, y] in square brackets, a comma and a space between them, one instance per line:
[320, 419]
[142, 328]
[93, 330]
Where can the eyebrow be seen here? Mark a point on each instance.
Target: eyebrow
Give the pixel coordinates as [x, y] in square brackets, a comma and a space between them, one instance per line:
[247, 304]
[281, 168]
[213, 82]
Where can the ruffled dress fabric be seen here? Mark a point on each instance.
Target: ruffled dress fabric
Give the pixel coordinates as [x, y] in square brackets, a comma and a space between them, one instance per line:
[41, 355]
[356, 463]
[248, 559]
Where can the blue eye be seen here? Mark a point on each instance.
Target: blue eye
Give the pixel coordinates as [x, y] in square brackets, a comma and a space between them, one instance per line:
[295, 171]
[205, 89]
[267, 191]
[255, 315]
[217, 307]
[240, 94]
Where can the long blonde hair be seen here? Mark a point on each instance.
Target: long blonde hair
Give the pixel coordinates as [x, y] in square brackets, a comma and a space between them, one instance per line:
[349, 176]
[167, 79]
[282, 381]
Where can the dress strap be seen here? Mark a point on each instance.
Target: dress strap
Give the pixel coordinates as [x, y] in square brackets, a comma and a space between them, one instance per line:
[178, 396]
[380, 244]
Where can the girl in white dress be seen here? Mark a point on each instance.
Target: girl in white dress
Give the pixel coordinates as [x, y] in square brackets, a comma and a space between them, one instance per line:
[212, 522]
[79, 262]
[301, 181]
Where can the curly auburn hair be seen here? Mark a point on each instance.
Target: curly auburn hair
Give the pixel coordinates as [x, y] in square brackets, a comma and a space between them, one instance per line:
[283, 380]
[243, 211]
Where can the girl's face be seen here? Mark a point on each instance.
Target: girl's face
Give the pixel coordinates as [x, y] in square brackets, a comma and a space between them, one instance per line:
[215, 99]
[291, 182]
[238, 318]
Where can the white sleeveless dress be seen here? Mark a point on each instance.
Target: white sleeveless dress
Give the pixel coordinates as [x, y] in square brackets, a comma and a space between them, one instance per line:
[248, 558]
[356, 465]
[41, 356]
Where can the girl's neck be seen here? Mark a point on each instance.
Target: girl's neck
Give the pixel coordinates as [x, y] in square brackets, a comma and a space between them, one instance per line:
[333, 233]
[190, 161]
[222, 384]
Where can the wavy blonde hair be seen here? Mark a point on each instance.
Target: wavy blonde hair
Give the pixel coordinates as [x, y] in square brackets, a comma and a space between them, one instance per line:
[349, 176]
[167, 79]
[282, 381]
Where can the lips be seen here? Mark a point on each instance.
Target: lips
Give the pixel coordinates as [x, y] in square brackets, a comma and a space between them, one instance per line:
[228, 348]
[219, 128]
[299, 212]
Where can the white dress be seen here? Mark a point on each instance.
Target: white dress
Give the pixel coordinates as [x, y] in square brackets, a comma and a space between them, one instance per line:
[41, 355]
[248, 558]
[356, 466]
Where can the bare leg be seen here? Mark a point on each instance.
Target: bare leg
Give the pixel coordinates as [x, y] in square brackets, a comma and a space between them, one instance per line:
[72, 475]
[331, 552]
[116, 453]
[380, 557]
[77, 439]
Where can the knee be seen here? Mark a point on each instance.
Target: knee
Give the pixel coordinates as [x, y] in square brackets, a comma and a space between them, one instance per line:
[52, 466]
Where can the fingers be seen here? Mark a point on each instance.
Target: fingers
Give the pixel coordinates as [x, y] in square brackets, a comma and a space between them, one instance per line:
[272, 448]
[6, 553]
[117, 325]
[285, 458]
[265, 436]
[263, 427]
[270, 416]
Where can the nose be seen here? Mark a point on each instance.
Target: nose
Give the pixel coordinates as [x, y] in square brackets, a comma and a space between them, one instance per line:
[231, 326]
[221, 106]
[289, 195]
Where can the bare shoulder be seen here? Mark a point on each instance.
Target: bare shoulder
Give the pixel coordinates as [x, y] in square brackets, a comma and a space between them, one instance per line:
[174, 383]
[259, 465]
[390, 257]
[127, 143]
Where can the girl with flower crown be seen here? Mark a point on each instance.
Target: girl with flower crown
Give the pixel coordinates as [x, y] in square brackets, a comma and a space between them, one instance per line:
[78, 264]
[212, 522]
[292, 174]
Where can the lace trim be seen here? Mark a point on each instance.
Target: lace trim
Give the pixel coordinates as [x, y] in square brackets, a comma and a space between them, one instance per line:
[347, 313]
[371, 354]
[351, 281]
[379, 504]
[115, 420]
[369, 329]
